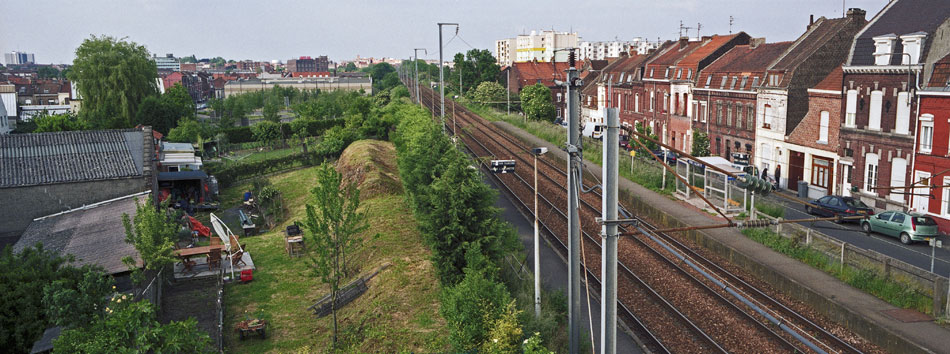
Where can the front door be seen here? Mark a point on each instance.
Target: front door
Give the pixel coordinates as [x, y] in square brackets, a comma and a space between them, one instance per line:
[821, 173]
[796, 169]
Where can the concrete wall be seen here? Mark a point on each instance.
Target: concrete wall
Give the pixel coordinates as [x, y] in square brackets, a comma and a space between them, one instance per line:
[23, 204]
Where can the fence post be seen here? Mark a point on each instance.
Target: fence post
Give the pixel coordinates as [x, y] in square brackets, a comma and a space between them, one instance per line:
[807, 236]
[939, 284]
[887, 267]
[843, 246]
[778, 228]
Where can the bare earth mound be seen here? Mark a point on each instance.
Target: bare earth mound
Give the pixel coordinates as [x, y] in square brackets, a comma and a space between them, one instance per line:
[371, 164]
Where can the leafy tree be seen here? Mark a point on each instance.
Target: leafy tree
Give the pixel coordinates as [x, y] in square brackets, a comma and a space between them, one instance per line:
[132, 327]
[477, 66]
[398, 92]
[266, 131]
[271, 112]
[536, 102]
[72, 301]
[189, 59]
[489, 92]
[179, 101]
[350, 67]
[332, 224]
[335, 140]
[47, 72]
[154, 112]
[648, 132]
[533, 345]
[57, 123]
[188, 131]
[23, 316]
[152, 234]
[378, 72]
[420, 145]
[114, 77]
[700, 143]
[389, 81]
[472, 307]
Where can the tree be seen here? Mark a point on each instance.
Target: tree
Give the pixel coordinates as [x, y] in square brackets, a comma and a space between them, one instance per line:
[57, 123]
[350, 67]
[472, 306]
[266, 132]
[700, 143]
[505, 333]
[152, 234]
[536, 102]
[132, 327]
[114, 77]
[47, 72]
[489, 92]
[179, 101]
[154, 112]
[188, 131]
[648, 132]
[332, 225]
[271, 112]
[72, 301]
[477, 66]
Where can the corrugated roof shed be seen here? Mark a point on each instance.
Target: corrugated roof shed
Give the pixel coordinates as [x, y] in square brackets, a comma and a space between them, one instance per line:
[47, 158]
[900, 17]
[94, 235]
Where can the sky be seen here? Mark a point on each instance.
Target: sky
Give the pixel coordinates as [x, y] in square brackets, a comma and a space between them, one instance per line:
[286, 29]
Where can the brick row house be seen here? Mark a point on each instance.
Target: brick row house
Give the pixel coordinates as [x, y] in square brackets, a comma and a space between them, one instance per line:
[782, 98]
[888, 60]
[723, 101]
[530, 73]
[815, 138]
[932, 155]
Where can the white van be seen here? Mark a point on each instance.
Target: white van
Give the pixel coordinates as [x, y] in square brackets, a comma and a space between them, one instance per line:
[593, 130]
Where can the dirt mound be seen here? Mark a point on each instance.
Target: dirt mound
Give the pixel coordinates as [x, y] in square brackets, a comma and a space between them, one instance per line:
[371, 164]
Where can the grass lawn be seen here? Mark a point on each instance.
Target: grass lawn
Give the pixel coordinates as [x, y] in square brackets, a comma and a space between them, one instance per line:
[254, 155]
[399, 312]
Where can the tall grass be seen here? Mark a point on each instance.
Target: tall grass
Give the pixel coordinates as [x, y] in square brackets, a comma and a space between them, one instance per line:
[868, 281]
[773, 210]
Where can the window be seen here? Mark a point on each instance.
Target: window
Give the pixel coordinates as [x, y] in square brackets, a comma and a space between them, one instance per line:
[767, 116]
[559, 97]
[651, 72]
[823, 128]
[755, 81]
[728, 115]
[679, 73]
[745, 79]
[898, 173]
[723, 83]
[695, 111]
[898, 218]
[636, 102]
[708, 80]
[903, 114]
[652, 100]
[946, 197]
[667, 73]
[738, 117]
[702, 112]
[666, 102]
[920, 202]
[851, 108]
[870, 172]
[732, 86]
[718, 113]
[926, 133]
[751, 117]
[874, 117]
[689, 74]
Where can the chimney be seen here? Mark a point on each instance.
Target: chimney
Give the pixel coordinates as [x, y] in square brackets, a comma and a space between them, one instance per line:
[755, 42]
[856, 14]
[706, 39]
[811, 20]
[684, 41]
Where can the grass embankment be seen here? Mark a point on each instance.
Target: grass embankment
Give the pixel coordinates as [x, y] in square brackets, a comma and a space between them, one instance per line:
[644, 171]
[868, 281]
[399, 312]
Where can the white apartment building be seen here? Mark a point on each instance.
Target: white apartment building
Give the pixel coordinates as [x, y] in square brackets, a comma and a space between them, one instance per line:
[168, 62]
[613, 49]
[542, 47]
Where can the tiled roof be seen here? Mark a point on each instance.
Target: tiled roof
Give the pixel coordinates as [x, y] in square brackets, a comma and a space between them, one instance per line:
[706, 49]
[674, 54]
[47, 158]
[900, 17]
[941, 73]
[93, 234]
[833, 82]
[742, 62]
[530, 73]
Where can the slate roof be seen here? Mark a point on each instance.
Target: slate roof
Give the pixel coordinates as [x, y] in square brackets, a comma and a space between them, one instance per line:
[743, 62]
[900, 17]
[77, 156]
[92, 234]
[810, 42]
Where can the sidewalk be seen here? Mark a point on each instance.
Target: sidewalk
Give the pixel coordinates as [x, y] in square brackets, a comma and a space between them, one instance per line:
[861, 312]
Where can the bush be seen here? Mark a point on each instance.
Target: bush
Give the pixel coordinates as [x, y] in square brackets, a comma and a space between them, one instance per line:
[238, 135]
[267, 131]
[472, 307]
[335, 140]
[228, 173]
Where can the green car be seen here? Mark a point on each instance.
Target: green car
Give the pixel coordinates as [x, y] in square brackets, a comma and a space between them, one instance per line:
[907, 227]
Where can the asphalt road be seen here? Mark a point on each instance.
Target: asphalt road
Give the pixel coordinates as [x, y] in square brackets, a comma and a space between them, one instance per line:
[554, 272]
[916, 254]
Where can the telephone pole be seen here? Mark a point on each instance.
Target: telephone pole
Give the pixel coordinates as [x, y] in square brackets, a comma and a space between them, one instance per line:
[441, 74]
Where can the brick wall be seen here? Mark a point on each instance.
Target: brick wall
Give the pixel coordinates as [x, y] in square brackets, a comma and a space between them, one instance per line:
[807, 132]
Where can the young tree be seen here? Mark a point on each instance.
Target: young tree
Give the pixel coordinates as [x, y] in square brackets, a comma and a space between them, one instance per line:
[113, 76]
[350, 67]
[187, 131]
[266, 132]
[332, 225]
[490, 92]
[472, 307]
[536, 102]
[271, 112]
[648, 132]
[700, 143]
[152, 234]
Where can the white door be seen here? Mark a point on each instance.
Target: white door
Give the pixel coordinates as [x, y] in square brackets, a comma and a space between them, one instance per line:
[921, 192]
[846, 180]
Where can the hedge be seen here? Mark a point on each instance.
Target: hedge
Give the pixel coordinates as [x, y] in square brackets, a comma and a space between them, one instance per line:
[230, 172]
[238, 135]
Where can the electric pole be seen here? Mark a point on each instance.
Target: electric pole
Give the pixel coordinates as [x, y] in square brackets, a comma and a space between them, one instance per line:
[608, 305]
[574, 161]
[441, 74]
[416, 52]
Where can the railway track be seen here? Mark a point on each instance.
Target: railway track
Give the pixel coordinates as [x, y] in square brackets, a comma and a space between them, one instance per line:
[692, 313]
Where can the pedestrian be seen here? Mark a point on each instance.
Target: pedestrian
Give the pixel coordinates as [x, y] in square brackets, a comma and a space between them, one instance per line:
[765, 172]
[778, 175]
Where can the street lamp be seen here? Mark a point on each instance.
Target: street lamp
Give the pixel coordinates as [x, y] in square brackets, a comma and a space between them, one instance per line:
[538, 151]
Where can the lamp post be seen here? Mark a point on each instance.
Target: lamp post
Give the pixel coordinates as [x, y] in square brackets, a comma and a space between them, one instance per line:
[416, 53]
[441, 74]
[537, 243]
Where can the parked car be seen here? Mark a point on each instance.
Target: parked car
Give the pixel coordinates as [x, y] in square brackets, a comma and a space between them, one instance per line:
[670, 156]
[908, 227]
[834, 205]
[625, 142]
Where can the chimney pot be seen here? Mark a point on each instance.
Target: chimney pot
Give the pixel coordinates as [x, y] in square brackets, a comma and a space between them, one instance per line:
[811, 20]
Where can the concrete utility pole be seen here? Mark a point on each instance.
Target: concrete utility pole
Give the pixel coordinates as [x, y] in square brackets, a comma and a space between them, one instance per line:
[441, 74]
[608, 305]
[508, 88]
[416, 53]
[574, 162]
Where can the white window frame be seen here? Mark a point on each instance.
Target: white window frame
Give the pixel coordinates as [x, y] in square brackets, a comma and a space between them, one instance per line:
[636, 102]
[703, 112]
[871, 175]
[874, 115]
[767, 116]
[919, 202]
[823, 127]
[926, 144]
[945, 198]
[652, 100]
[903, 114]
[851, 109]
[898, 178]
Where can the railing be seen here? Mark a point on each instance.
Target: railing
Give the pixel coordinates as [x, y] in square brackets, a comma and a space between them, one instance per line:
[153, 291]
[929, 284]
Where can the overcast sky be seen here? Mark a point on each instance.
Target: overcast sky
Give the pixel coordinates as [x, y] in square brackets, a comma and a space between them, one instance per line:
[285, 29]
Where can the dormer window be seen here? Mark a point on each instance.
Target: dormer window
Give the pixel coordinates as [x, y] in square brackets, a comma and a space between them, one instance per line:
[722, 85]
[913, 43]
[883, 46]
[667, 73]
[708, 80]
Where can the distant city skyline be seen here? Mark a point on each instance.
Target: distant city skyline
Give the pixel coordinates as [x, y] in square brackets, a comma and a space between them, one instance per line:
[285, 29]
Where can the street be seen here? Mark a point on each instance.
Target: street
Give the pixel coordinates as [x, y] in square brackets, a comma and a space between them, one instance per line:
[916, 254]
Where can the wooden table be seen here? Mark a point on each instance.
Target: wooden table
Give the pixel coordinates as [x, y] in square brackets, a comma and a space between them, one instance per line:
[196, 251]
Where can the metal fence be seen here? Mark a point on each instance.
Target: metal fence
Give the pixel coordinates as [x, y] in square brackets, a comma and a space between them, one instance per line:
[153, 290]
[219, 307]
[844, 254]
